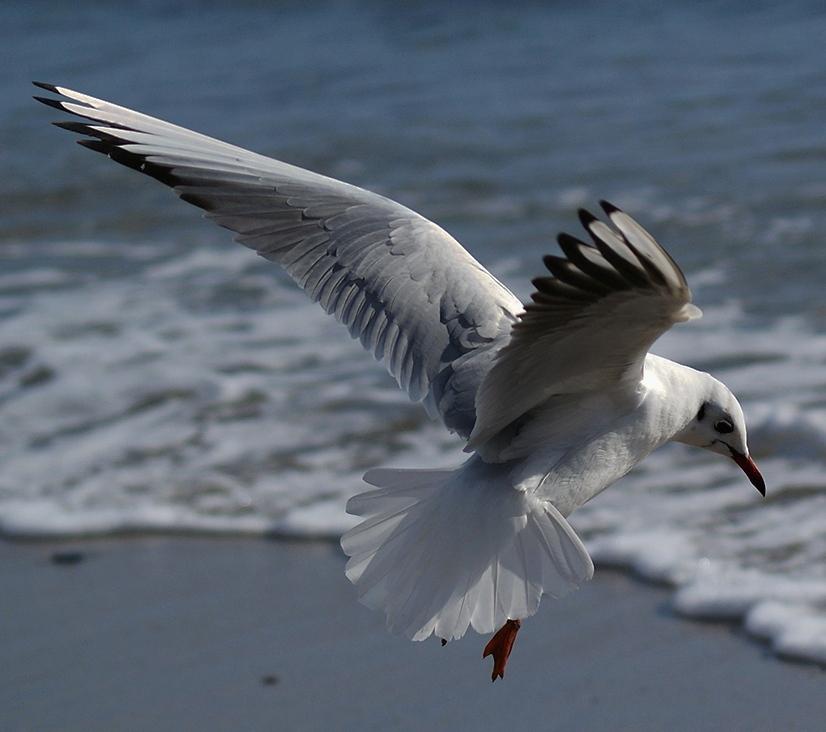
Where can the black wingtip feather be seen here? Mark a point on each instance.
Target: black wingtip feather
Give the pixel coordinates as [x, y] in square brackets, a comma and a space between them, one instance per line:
[201, 202]
[585, 217]
[80, 127]
[56, 103]
[47, 87]
[541, 283]
[567, 272]
[84, 128]
[96, 145]
[566, 240]
[571, 246]
[609, 207]
[130, 160]
[549, 260]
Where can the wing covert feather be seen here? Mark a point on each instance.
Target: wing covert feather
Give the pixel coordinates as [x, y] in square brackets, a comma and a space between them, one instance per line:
[589, 325]
[408, 290]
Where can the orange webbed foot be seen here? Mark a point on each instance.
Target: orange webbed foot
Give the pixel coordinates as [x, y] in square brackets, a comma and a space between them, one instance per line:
[500, 646]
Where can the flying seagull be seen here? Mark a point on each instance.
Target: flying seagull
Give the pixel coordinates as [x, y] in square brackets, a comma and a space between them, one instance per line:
[557, 399]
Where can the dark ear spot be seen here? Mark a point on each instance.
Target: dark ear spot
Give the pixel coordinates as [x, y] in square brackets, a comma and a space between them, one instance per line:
[701, 413]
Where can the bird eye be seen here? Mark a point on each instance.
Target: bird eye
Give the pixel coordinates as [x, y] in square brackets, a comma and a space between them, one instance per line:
[724, 426]
[701, 413]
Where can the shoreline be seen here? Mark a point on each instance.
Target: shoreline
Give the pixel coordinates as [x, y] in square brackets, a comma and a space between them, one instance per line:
[733, 623]
[160, 632]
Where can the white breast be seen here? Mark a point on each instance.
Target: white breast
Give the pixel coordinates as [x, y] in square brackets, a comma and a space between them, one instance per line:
[576, 448]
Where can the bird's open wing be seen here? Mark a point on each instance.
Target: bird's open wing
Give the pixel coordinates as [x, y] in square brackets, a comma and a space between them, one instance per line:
[590, 324]
[415, 298]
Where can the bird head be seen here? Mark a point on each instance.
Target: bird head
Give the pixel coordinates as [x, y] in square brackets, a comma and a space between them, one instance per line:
[719, 425]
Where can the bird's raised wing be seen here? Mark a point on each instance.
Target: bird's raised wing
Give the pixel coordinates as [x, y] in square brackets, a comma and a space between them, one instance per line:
[407, 289]
[590, 324]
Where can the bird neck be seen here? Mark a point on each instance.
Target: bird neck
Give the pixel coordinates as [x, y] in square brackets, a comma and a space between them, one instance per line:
[679, 391]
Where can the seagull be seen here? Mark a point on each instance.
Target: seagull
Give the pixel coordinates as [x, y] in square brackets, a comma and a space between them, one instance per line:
[556, 399]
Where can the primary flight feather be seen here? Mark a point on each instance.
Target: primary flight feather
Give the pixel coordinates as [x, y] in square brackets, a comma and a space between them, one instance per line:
[557, 399]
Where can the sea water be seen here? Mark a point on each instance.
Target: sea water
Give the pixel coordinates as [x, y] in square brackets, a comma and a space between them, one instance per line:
[156, 376]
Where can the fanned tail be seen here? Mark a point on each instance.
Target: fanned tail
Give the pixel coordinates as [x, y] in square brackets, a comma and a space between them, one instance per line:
[440, 550]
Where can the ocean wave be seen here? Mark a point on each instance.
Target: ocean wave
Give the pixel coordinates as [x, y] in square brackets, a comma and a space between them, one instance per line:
[203, 393]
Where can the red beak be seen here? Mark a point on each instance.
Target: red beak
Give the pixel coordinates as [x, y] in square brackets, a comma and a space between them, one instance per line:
[750, 468]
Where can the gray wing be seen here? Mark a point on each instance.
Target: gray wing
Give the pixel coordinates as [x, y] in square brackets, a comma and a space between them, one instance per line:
[408, 290]
[590, 324]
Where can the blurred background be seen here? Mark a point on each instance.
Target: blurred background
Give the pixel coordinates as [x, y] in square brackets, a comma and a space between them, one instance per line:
[154, 376]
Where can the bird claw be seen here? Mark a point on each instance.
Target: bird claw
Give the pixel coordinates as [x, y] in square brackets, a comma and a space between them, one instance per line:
[500, 646]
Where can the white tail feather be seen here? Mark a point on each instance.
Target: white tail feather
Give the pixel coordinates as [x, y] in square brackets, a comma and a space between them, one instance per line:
[440, 550]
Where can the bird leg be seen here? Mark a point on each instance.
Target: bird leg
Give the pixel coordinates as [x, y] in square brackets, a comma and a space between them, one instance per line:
[500, 646]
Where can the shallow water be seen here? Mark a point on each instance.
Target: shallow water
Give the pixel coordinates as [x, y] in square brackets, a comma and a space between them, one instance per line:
[155, 376]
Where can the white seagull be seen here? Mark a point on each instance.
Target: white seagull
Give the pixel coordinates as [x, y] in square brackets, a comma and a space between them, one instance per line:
[557, 399]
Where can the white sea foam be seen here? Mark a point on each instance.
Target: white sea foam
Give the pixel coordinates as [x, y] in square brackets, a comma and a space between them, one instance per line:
[149, 383]
[203, 393]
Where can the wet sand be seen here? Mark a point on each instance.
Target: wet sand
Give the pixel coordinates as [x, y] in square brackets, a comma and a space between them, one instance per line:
[158, 633]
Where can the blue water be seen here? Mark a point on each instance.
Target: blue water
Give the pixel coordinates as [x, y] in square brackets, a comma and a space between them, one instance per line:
[154, 376]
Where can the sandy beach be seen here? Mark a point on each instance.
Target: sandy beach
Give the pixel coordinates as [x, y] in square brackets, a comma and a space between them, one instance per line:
[158, 633]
